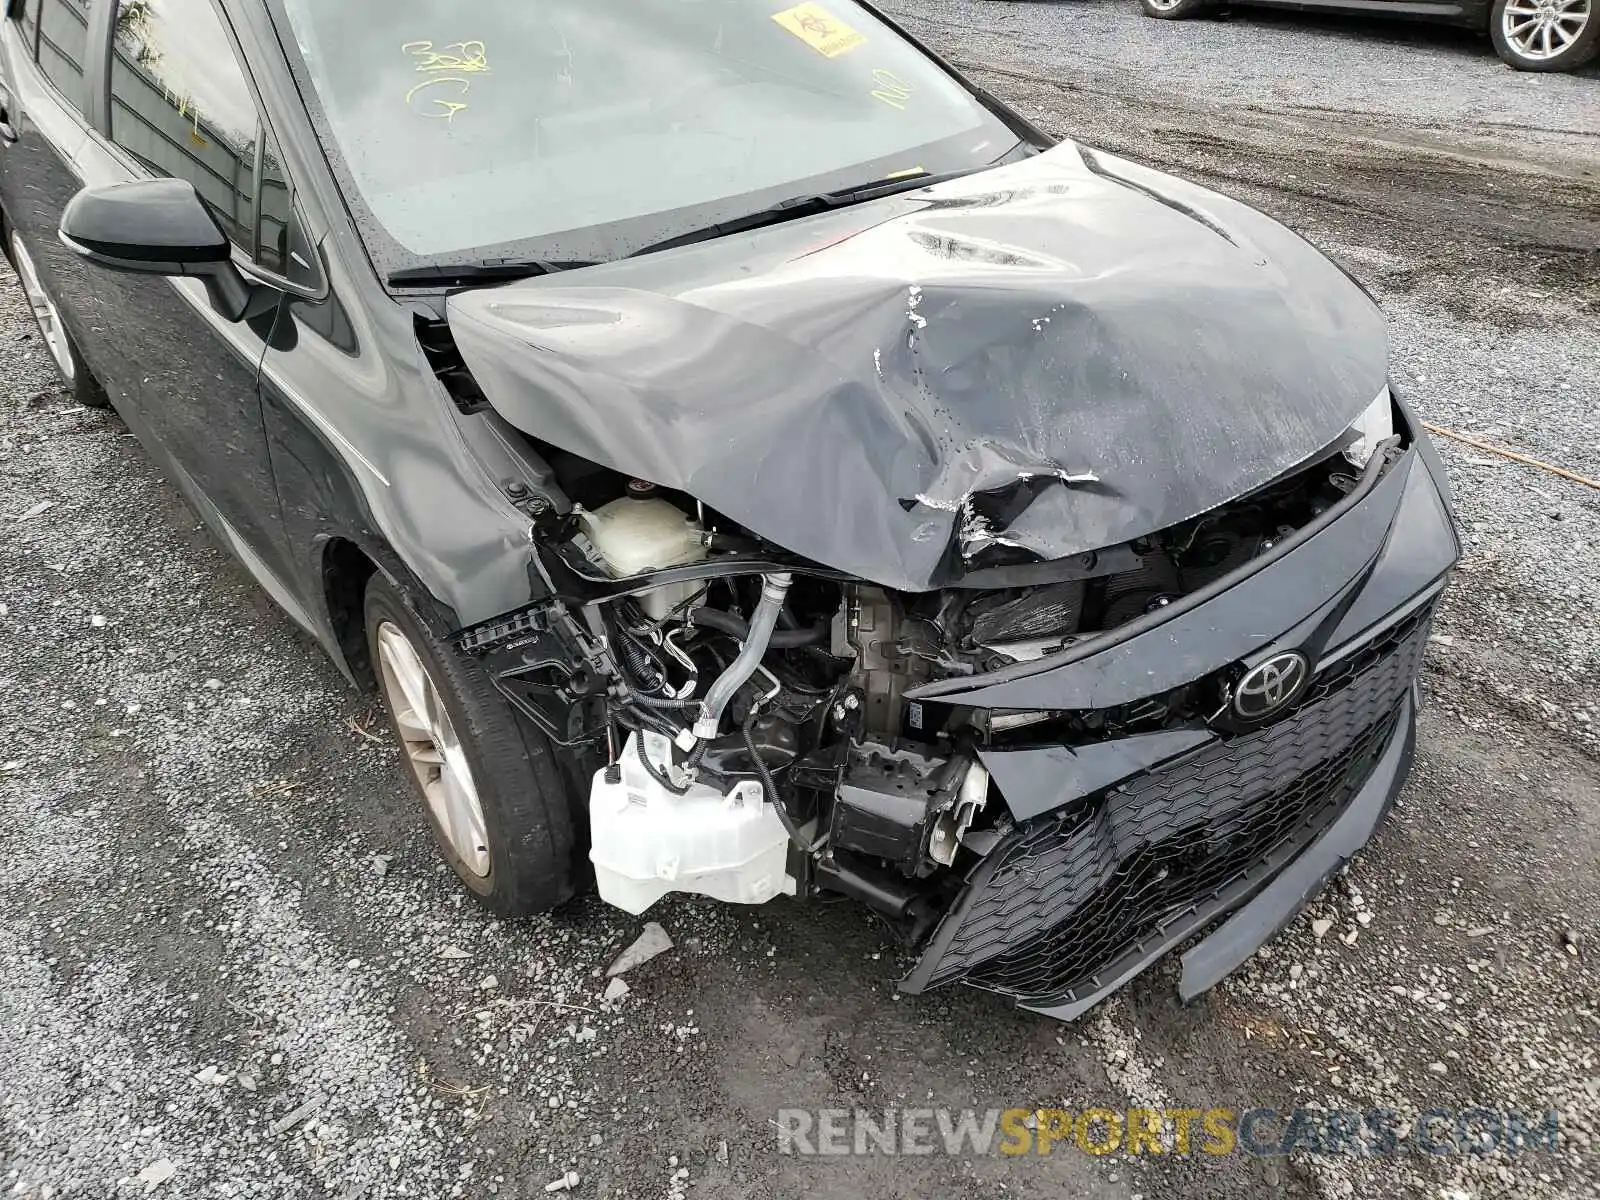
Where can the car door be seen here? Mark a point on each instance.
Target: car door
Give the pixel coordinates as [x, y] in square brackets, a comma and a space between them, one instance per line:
[43, 126]
[176, 102]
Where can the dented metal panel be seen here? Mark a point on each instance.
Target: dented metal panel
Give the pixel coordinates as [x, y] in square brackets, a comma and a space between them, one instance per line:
[1050, 354]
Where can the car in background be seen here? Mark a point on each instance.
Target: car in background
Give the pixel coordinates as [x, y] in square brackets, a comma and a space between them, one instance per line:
[1530, 35]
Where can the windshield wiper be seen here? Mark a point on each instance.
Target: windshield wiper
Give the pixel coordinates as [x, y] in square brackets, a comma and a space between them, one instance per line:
[488, 271]
[505, 270]
[805, 206]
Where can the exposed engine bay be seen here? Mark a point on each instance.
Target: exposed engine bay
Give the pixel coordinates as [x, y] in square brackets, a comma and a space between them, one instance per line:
[964, 561]
[751, 711]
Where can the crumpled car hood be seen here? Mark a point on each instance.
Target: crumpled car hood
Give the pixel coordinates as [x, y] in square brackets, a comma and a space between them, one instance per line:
[1058, 354]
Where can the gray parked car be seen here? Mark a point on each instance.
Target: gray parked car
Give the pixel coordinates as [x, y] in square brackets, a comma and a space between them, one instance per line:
[1531, 35]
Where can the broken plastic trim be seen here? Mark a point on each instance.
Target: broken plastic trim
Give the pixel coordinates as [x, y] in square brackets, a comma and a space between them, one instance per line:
[1384, 457]
[547, 668]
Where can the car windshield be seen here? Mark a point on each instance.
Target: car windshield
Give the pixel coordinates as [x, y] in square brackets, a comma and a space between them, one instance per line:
[581, 130]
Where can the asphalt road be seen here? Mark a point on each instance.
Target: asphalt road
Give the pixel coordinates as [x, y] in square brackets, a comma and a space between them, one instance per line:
[226, 946]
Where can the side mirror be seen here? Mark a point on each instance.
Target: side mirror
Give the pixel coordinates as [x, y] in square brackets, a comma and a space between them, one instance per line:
[157, 227]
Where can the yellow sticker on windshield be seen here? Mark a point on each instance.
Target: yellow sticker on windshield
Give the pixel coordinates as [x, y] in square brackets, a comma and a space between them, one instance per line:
[819, 29]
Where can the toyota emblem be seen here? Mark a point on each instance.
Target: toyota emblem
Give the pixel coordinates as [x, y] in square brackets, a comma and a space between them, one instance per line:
[1271, 686]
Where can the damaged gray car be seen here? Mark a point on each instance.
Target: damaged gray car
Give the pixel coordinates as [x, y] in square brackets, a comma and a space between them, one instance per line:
[751, 461]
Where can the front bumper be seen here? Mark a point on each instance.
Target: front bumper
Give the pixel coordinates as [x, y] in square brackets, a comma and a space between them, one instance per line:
[1122, 850]
[1276, 904]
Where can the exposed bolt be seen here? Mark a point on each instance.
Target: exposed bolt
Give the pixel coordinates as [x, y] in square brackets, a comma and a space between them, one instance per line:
[516, 489]
[852, 702]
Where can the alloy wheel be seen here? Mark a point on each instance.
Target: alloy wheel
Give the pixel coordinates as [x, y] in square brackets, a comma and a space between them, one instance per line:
[44, 310]
[432, 748]
[1540, 30]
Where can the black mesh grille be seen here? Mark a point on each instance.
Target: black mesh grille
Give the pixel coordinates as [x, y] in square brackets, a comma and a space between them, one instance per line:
[1406, 637]
[1068, 895]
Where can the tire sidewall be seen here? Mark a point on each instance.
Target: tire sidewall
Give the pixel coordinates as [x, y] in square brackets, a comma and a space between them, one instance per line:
[1176, 12]
[526, 873]
[1575, 55]
[84, 388]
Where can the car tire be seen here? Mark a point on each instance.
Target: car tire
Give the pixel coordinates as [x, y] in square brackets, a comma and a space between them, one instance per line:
[1173, 10]
[492, 786]
[63, 352]
[1522, 29]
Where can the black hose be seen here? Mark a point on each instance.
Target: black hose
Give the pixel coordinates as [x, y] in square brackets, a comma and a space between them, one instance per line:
[656, 773]
[638, 720]
[713, 618]
[770, 786]
[661, 702]
[641, 663]
[782, 639]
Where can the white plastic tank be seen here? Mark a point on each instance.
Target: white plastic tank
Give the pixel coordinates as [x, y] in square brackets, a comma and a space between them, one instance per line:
[634, 534]
[649, 841]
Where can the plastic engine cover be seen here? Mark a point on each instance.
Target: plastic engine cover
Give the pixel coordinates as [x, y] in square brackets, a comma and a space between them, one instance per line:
[648, 842]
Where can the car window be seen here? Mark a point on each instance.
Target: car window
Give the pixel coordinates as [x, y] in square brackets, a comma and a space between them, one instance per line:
[27, 13]
[587, 128]
[181, 106]
[280, 239]
[63, 42]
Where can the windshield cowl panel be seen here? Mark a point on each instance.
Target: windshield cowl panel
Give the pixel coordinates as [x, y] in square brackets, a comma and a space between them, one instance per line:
[584, 130]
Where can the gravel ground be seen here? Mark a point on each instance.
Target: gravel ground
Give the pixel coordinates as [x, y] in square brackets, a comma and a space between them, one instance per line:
[228, 951]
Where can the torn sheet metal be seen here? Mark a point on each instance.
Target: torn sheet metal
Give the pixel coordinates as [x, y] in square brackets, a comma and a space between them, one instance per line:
[1043, 355]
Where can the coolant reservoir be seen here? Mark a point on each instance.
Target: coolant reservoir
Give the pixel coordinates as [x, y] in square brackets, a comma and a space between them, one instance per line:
[632, 535]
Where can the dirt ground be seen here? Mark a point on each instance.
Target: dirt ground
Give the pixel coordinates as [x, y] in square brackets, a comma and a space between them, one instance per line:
[226, 943]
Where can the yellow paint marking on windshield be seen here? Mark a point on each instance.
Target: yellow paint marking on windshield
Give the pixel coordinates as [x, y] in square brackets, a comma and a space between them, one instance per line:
[458, 58]
[447, 66]
[820, 29]
[447, 108]
[891, 89]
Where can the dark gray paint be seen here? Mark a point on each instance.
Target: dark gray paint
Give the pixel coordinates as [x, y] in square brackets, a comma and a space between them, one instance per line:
[790, 428]
[840, 384]
[181, 377]
[365, 447]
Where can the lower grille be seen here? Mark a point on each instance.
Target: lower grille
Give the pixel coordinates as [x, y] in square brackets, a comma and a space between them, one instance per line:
[1066, 896]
